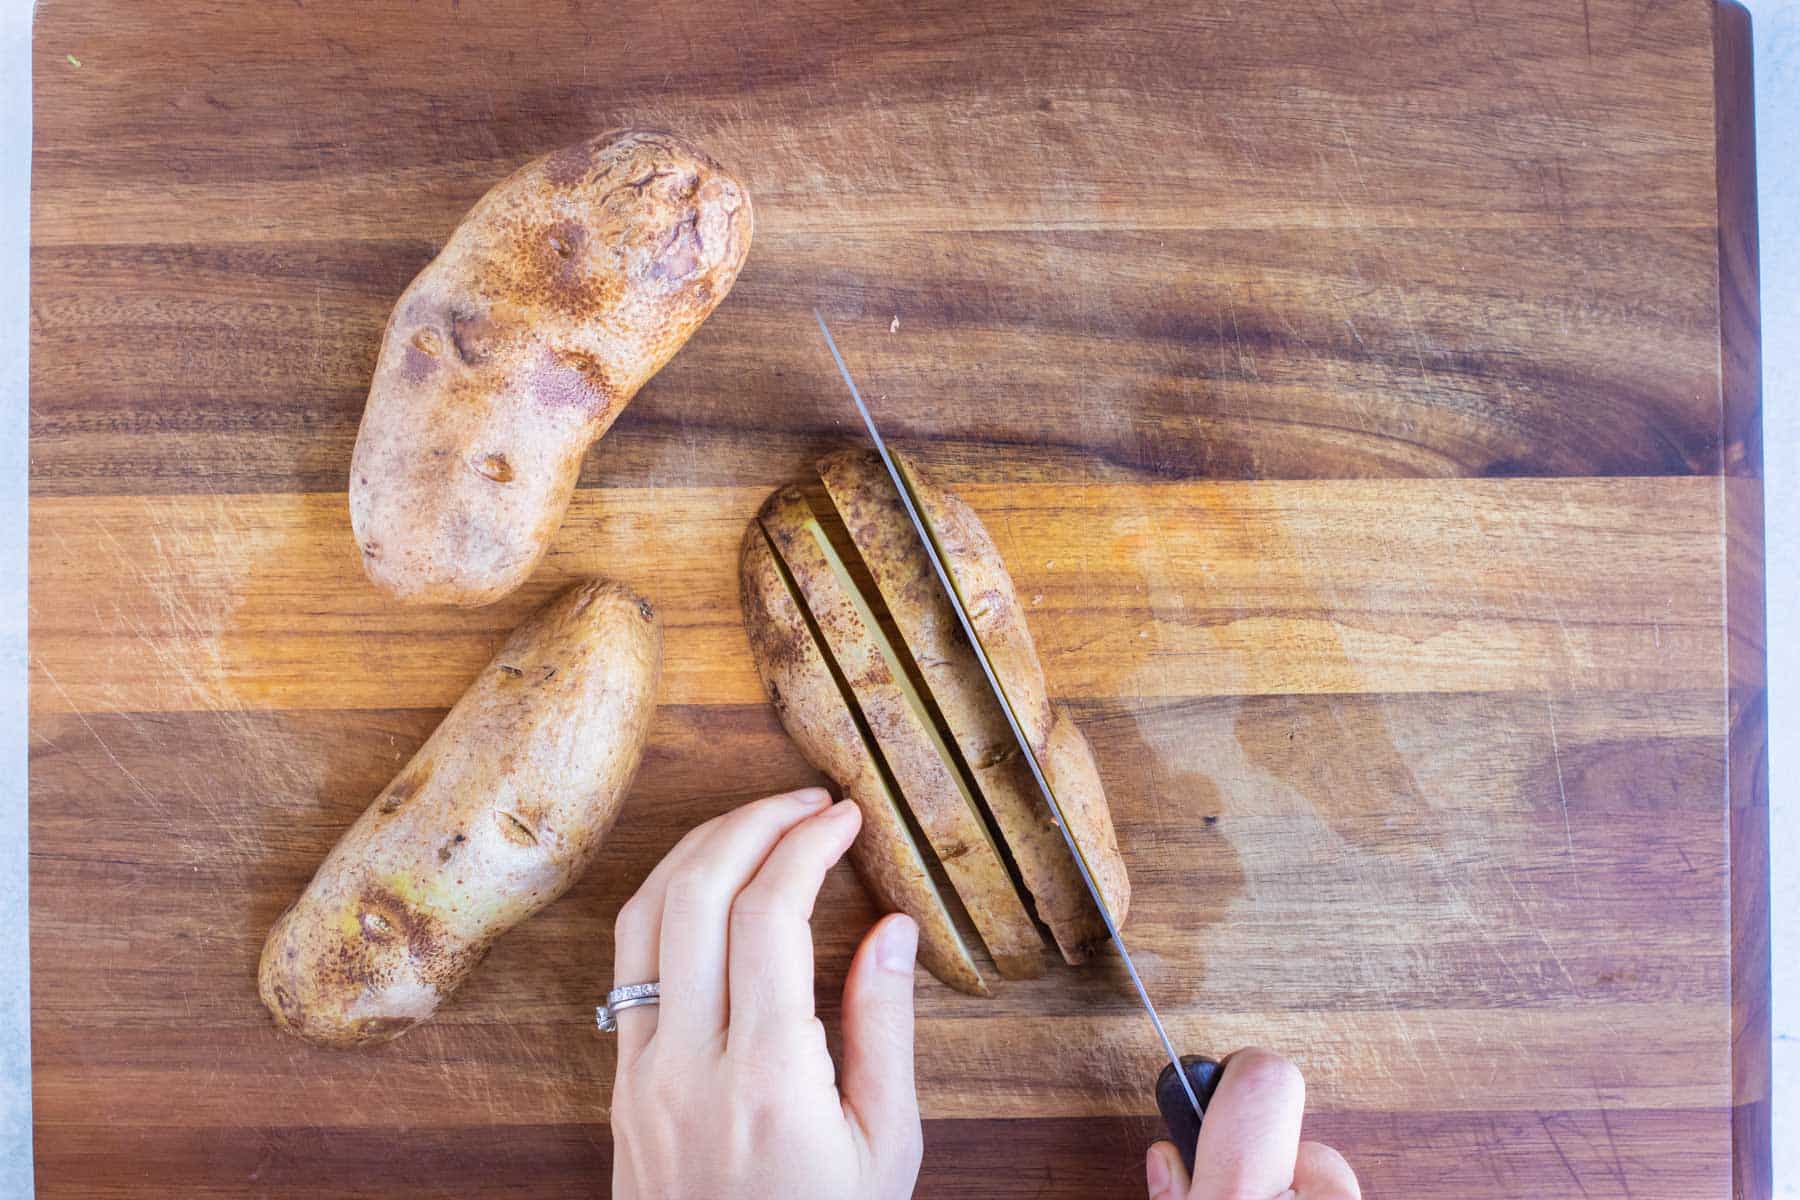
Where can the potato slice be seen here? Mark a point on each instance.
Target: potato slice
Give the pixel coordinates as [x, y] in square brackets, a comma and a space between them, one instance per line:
[816, 711]
[865, 497]
[906, 733]
[1074, 777]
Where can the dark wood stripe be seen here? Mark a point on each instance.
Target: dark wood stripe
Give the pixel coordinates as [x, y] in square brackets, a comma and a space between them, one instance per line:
[1469, 1155]
[248, 365]
[1075, 114]
[1581, 867]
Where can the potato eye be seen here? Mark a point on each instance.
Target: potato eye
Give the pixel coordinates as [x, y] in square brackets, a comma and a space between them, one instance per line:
[494, 467]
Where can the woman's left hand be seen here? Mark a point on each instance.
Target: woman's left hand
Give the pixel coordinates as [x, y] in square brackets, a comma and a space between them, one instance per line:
[725, 1089]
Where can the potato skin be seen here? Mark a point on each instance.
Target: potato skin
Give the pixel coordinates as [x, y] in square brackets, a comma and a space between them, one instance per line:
[559, 295]
[811, 707]
[497, 814]
[1069, 767]
[865, 497]
[922, 769]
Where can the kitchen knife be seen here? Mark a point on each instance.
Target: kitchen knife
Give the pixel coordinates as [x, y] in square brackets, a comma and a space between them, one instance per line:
[1186, 1085]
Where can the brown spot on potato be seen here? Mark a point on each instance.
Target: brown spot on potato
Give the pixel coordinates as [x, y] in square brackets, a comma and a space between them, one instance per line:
[646, 610]
[403, 789]
[996, 755]
[426, 341]
[376, 927]
[448, 849]
[514, 829]
[679, 255]
[474, 335]
[494, 467]
[291, 1010]
[371, 549]
[385, 919]
[954, 851]
[588, 367]
[511, 672]
[570, 380]
[566, 238]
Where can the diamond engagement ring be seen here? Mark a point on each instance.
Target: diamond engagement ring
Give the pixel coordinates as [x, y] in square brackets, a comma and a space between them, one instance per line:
[632, 995]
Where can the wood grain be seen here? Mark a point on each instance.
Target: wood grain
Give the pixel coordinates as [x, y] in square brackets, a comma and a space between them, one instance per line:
[1363, 395]
[1133, 590]
[1747, 790]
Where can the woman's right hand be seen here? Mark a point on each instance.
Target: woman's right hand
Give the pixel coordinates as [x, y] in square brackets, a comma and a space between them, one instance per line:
[1250, 1147]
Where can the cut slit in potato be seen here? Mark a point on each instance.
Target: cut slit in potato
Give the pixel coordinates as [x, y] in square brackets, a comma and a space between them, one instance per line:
[922, 765]
[816, 707]
[863, 494]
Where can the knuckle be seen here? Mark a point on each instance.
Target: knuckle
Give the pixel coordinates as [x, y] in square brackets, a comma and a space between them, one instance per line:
[690, 890]
[634, 918]
[1264, 1071]
[759, 902]
[809, 1040]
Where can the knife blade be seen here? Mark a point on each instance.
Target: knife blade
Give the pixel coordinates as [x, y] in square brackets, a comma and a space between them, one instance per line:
[1196, 1075]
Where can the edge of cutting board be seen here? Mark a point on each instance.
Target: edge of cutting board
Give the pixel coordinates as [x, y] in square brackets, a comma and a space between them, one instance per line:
[1747, 779]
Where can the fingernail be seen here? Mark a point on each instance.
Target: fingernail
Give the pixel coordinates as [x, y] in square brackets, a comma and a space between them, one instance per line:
[899, 943]
[842, 809]
[1156, 1172]
[814, 798]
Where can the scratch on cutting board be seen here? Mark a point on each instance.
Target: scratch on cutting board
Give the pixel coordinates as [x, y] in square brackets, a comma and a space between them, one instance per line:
[1545, 1120]
[1612, 1146]
[95, 733]
[1537, 931]
[1562, 795]
[190, 659]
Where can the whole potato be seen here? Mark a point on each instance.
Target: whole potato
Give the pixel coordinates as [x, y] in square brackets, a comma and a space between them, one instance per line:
[559, 295]
[495, 816]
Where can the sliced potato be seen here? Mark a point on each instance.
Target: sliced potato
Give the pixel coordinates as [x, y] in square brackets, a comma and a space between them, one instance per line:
[988, 594]
[864, 495]
[907, 736]
[1074, 776]
[817, 714]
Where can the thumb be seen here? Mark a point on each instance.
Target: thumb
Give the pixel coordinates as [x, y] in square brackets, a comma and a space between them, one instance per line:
[878, 1086]
[1166, 1178]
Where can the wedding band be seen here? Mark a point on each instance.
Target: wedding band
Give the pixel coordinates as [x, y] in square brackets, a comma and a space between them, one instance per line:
[632, 995]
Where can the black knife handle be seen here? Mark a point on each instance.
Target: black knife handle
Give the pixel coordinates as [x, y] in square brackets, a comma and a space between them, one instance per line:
[1184, 1125]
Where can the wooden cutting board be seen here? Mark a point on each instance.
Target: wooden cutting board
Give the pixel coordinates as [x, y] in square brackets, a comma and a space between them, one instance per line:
[1363, 393]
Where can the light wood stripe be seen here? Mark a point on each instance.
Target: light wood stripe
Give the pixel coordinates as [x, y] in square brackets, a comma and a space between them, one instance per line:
[1152, 591]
